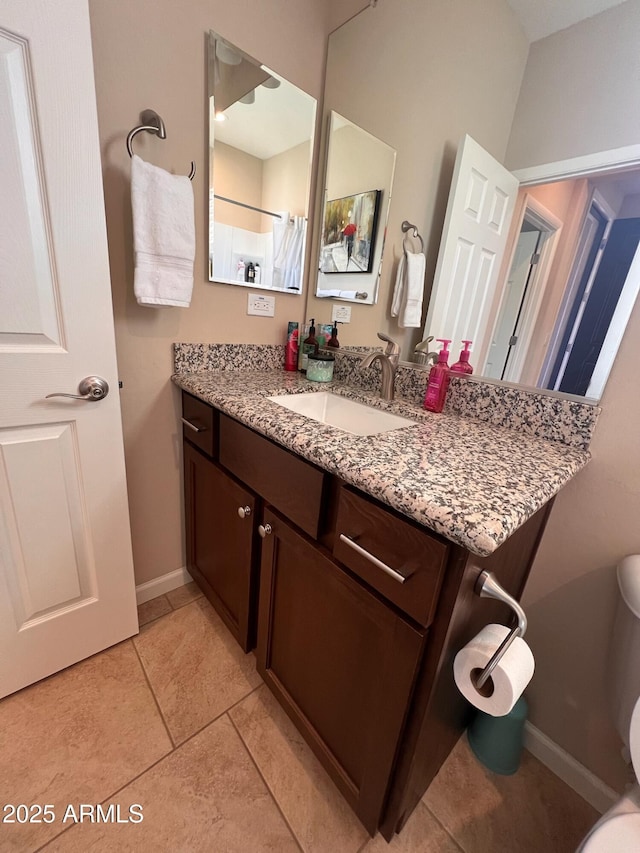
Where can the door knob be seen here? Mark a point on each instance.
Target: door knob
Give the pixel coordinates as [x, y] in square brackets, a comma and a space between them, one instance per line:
[244, 511]
[90, 388]
[264, 530]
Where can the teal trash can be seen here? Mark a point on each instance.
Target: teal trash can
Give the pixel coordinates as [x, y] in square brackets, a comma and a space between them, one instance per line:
[497, 742]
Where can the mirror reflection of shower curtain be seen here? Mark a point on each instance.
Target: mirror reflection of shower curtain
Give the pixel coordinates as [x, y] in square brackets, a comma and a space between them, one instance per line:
[288, 246]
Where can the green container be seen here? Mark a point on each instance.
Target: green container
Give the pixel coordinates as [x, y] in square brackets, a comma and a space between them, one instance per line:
[497, 742]
[320, 367]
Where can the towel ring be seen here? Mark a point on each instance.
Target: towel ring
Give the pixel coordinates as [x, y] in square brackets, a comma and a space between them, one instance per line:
[407, 226]
[152, 123]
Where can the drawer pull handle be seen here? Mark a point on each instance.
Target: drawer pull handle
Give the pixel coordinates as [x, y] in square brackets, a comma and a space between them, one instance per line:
[265, 530]
[244, 511]
[193, 426]
[396, 575]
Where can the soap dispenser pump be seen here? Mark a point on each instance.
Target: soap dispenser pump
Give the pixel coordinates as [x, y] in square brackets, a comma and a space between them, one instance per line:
[462, 365]
[438, 380]
[309, 346]
[333, 340]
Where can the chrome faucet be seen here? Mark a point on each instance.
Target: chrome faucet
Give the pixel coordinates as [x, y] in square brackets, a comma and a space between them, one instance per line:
[388, 362]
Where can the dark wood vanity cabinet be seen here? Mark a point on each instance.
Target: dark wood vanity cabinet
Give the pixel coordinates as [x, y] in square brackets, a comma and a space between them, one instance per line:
[341, 662]
[360, 614]
[222, 544]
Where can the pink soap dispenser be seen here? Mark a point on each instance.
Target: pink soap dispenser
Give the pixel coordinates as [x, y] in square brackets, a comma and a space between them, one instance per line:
[463, 366]
[438, 380]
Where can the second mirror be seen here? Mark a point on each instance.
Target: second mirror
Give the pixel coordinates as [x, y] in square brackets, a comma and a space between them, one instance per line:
[357, 192]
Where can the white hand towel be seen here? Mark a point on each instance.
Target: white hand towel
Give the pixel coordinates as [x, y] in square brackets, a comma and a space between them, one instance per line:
[408, 291]
[164, 236]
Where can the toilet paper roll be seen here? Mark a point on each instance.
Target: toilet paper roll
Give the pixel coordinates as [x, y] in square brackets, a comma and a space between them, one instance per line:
[510, 677]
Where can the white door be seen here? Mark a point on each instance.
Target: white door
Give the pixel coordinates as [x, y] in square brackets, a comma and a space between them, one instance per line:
[505, 329]
[66, 571]
[476, 226]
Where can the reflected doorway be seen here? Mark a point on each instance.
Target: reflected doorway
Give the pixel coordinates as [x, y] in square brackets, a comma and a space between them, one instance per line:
[526, 274]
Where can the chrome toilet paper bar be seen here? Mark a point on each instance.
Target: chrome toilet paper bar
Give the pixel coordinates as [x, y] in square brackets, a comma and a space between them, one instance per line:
[488, 587]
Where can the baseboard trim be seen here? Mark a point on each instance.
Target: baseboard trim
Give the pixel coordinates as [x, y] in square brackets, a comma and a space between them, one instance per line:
[565, 766]
[165, 583]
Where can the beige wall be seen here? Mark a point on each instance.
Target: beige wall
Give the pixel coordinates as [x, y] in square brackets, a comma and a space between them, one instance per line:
[419, 76]
[339, 11]
[580, 95]
[238, 175]
[153, 55]
[285, 185]
[579, 91]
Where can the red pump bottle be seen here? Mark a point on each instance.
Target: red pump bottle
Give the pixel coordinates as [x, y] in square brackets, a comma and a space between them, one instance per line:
[463, 366]
[438, 380]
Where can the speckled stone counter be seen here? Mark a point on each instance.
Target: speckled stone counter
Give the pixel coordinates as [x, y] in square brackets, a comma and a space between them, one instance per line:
[471, 481]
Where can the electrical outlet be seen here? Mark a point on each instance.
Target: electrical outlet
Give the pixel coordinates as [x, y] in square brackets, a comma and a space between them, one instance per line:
[261, 306]
[341, 313]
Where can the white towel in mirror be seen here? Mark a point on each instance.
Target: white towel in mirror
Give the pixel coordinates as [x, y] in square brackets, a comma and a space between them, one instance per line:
[409, 290]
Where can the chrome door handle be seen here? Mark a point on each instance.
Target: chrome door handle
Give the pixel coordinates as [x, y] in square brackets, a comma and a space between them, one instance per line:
[244, 511]
[394, 573]
[265, 530]
[90, 388]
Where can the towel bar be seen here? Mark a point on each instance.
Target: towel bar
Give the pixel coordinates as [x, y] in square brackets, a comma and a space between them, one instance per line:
[152, 123]
[407, 226]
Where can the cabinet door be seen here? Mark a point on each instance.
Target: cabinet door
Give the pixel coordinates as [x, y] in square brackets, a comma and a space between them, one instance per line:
[220, 544]
[341, 662]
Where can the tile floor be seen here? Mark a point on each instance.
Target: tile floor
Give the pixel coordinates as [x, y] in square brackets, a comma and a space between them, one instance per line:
[177, 720]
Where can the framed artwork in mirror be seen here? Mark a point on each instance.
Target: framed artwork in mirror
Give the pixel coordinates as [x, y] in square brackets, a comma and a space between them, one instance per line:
[356, 192]
[348, 233]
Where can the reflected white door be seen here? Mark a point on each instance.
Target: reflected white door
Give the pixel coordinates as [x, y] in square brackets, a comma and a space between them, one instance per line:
[505, 330]
[476, 226]
[66, 571]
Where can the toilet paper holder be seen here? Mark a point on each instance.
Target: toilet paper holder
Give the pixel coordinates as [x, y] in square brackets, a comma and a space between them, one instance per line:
[488, 587]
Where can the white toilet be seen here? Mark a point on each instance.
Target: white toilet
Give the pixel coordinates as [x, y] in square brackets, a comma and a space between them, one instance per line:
[619, 829]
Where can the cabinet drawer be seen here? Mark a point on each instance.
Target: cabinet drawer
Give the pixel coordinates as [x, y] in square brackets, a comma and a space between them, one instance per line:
[382, 537]
[283, 479]
[200, 424]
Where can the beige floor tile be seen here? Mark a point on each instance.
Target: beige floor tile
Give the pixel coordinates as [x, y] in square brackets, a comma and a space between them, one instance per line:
[528, 812]
[421, 834]
[151, 610]
[195, 667]
[77, 736]
[205, 796]
[313, 807]
[184, 594]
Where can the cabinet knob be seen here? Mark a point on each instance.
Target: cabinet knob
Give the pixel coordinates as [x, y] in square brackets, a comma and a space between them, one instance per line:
[244, 511]
[265, 530]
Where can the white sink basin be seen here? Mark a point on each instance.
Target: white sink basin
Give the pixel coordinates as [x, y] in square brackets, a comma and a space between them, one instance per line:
[342, 413]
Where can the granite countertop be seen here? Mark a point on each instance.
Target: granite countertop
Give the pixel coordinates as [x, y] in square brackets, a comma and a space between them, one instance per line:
[470, 481]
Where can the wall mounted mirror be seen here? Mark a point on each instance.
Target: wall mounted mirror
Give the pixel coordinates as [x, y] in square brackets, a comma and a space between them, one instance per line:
[357, 194]
[546, 292]
[260, 153]
[413, 77]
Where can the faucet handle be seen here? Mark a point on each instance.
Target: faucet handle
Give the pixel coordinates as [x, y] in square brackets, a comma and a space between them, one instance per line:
[392, 347]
